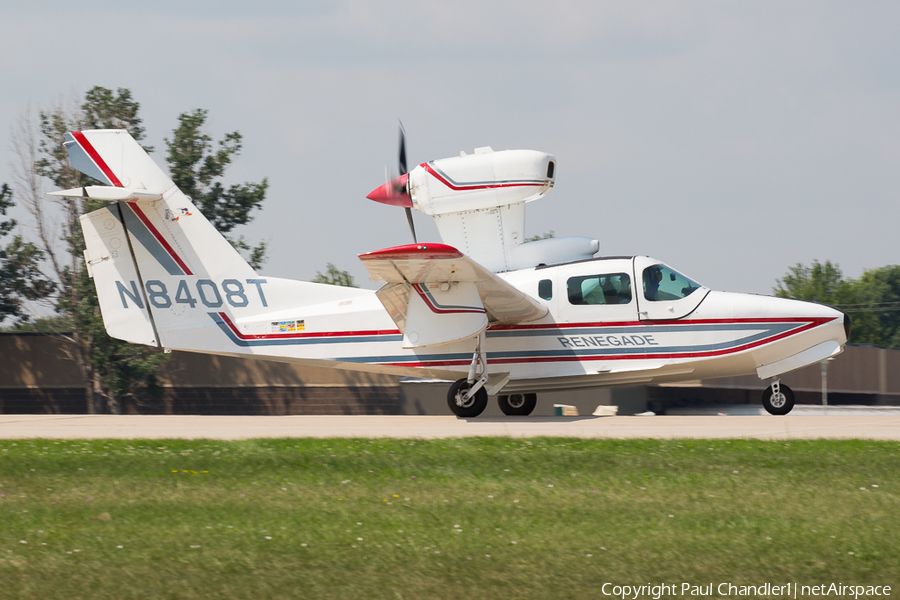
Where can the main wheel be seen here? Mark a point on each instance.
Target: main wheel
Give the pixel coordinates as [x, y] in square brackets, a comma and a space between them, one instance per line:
[471, 407]
[517, 404]
[780, 403]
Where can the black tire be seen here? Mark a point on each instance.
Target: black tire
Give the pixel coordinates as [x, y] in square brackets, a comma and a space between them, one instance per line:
[517, 404]
[474, 407]
[781, 405]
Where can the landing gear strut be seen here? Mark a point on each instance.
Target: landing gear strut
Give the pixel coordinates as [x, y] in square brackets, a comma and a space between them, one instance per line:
[778, 399]
[467, 397]
[517, 404]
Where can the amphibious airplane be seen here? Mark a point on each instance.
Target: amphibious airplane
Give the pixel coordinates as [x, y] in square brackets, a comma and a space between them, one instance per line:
[500, 315]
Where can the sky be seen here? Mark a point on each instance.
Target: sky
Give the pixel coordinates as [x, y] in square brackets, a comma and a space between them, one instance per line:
[729, 140]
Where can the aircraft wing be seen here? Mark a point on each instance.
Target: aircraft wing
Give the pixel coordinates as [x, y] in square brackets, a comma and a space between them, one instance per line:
[437, 295]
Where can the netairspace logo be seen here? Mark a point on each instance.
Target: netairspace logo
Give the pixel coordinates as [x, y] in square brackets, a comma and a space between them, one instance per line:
[727, 590]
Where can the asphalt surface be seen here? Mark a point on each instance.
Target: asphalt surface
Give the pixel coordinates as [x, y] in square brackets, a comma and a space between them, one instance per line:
[833, 426]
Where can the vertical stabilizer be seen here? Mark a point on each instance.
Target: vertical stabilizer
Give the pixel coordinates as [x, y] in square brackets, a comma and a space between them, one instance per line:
[151, 258]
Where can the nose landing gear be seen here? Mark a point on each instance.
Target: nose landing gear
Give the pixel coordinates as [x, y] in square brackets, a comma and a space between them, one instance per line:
[778, 399]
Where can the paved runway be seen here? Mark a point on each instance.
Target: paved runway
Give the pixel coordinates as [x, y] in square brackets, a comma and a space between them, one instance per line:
[873, 427]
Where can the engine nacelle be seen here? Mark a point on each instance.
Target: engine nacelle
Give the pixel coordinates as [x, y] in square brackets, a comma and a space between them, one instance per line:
[483, 180]
[478, 205]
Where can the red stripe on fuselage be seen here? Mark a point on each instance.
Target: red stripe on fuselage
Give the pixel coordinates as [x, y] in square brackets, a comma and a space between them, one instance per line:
[285, 336]
[95, 156]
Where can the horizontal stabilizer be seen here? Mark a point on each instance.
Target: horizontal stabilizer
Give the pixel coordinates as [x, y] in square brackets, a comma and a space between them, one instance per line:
[110, 194]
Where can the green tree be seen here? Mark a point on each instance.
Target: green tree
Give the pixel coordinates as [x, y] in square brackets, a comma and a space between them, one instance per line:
[876, 307]
[334, 276]
[101, 360]
[872, 301]
[113, 370]
[822, 283]
[20, 275]
[197, 165]
[104, 109]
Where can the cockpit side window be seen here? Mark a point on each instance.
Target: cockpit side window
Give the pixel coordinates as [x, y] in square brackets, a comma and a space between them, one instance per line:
[545, 289]
[663, 284]
[612, 288]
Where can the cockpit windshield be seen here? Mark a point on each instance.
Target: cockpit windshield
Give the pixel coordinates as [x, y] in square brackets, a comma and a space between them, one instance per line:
[663, 284]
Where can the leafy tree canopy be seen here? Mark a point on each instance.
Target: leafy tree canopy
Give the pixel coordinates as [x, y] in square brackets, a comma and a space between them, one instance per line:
[20, 275]
[334, 276]
[196, 165]
[102, 109]
[872, 301]
[112, 369]
[822, 283]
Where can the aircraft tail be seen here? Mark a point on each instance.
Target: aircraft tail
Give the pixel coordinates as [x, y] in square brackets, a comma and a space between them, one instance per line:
[164, 275]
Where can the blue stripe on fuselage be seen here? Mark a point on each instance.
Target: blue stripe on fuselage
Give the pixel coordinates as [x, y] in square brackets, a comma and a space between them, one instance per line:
[572, 353]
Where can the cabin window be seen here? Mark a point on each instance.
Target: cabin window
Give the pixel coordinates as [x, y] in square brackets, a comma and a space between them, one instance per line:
[663, 284]
[612, 288]
[551, 167]
[545, 289]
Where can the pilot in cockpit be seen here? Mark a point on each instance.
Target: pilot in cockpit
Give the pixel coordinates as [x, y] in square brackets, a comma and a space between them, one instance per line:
[652, 277]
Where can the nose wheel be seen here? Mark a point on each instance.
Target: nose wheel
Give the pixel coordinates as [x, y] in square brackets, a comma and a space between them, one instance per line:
[778, 399]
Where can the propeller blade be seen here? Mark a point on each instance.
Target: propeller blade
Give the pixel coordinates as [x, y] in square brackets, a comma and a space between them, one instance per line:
[412, 227]
[396, 191]
[402, 158]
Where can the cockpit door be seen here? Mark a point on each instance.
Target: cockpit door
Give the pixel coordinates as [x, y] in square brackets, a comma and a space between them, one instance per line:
[597, 291]
[663, 293]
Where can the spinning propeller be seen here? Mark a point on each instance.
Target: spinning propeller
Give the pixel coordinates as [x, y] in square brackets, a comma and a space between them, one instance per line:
[396, 191]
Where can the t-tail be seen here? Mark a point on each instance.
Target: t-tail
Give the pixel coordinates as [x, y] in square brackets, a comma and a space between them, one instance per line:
[164, 275]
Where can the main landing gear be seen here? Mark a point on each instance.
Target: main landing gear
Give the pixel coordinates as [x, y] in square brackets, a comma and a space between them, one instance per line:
[517, 404]
[467, 397]
[467, 404]
[778, 399]
[465, 401]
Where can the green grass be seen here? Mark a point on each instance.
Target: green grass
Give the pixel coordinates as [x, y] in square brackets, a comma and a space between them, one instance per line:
[469, 518]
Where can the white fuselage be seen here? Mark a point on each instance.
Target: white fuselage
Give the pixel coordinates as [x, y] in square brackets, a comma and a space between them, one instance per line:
[625, 341]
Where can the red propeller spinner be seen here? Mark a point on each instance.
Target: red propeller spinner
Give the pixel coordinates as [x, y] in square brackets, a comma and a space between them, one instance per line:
[393, 192]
